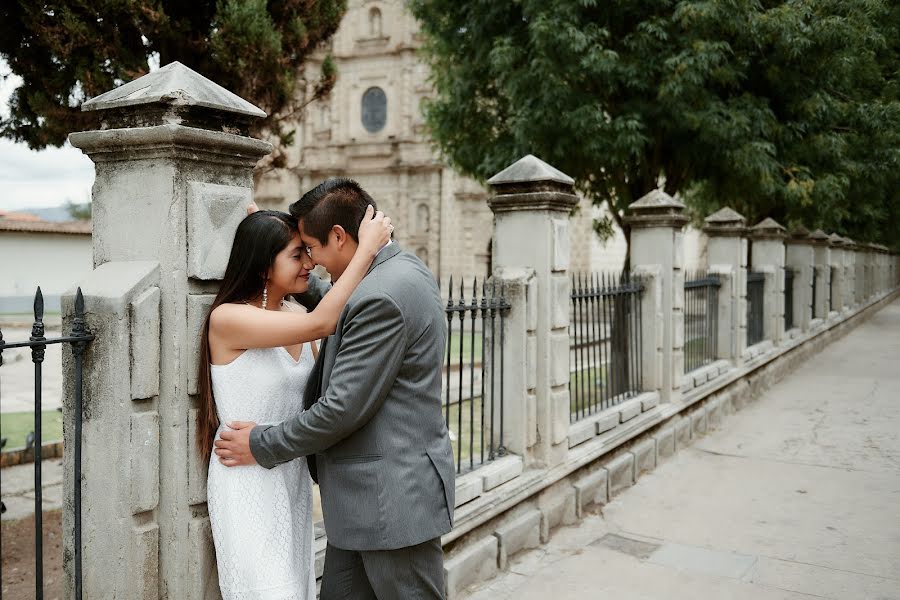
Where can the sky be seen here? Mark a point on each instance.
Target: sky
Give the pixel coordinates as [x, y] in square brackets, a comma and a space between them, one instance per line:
[31, 179]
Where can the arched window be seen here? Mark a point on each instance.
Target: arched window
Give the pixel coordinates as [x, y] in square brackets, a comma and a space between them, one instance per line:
[374, 23]
[423, 218]
[374, 109]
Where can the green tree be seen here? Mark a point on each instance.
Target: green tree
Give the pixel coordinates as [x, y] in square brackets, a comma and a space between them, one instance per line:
[79, 212]
[789, 109]
[67, 51]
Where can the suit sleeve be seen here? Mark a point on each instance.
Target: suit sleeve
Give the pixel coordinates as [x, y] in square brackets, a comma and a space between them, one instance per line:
[314, 294]
[373, 342]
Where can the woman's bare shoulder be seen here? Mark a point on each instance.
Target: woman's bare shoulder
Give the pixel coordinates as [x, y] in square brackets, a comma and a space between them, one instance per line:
[226, 311]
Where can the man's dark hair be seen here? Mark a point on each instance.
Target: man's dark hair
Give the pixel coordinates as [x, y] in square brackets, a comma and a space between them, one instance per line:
[336, 201]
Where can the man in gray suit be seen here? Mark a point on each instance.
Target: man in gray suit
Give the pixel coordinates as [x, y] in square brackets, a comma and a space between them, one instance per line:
[373, 427]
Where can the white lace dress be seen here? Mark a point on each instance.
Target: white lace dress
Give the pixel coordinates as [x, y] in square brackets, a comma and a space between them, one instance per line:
[262, 519]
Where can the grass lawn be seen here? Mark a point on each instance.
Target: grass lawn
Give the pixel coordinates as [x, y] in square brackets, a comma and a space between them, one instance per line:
[585, 386]
[470, 425]
[693, 350]
[468, 353]
[15, 426]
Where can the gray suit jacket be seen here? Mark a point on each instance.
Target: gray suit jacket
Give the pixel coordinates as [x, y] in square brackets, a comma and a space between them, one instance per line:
[385, 464]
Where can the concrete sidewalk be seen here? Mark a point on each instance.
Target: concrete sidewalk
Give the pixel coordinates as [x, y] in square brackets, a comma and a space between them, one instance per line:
[797, 496]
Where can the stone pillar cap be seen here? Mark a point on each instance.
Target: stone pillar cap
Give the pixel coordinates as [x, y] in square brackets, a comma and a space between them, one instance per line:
[656, 209]
[531, 184]
[768, 228]
[174, 84]
[836, 240]
[819, 238]
[725, 222]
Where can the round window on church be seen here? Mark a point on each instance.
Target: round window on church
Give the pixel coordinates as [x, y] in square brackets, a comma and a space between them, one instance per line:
[374, 109]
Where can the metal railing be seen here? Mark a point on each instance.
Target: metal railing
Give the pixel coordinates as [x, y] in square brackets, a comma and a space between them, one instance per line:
[78, 339]
[815, 286]
[473, 372]
[701, 323]
[789, 298]
[756, 283]
[831, 278]
[604, 341]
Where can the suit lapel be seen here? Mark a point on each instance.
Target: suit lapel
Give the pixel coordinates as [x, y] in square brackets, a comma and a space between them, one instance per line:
[386, 254]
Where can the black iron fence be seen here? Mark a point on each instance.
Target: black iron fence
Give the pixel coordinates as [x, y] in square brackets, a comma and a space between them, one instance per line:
[756, 283]
[789, 298]
[78, 339]
[701, 323]
[473, 372]
[815, 285]
[605, 341]
[831, 281]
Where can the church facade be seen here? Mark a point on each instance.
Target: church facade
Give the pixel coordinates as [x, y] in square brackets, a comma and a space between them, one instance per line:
[371, 128]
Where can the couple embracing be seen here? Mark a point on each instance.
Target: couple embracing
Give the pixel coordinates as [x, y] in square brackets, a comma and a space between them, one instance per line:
[342, 388]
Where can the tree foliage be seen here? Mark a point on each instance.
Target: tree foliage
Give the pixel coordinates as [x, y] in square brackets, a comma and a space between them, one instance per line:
[788, 109]
[79, 212]
[67, 51]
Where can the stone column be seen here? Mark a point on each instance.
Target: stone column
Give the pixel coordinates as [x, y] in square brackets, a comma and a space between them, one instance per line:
[871, 268]
[888, 269]
[768, 258]
[853, 264]
[799, 257]
[531, 203]
[838, 261]
[822, 259]
[657, 245]
[726, 253]
[174, 175]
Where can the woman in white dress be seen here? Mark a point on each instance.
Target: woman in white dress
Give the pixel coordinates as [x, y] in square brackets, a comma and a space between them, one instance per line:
[257, 352]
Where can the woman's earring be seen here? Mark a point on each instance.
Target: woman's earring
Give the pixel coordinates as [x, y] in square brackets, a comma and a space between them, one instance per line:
[265, 295]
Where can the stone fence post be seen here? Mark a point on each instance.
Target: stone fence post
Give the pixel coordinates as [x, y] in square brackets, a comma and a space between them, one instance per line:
[838, 252]
[854, 257]
[657, 246]
[726, 253]
[800, 258]
[174, 176]
[824, 286]
[532, 202]
[768, 258]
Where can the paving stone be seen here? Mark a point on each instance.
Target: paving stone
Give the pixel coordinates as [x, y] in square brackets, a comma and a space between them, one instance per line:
[621, 473]
[644, 457]
[476, 562]
[520, 534]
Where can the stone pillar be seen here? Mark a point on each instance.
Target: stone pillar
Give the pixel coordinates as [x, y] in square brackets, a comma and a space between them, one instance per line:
[872, 268]
[174, 175]
[657, 245]
[888, 269]
[854, 265]
[726, 253]
[532, 202]
[768, 258]
[839, 262]
[800, 258]
[822, 259]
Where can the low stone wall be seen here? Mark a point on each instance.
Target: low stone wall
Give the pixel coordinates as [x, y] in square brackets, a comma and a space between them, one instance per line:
[522, 513]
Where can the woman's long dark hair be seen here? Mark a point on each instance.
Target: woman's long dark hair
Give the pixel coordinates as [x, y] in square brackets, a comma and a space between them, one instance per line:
[258, 240]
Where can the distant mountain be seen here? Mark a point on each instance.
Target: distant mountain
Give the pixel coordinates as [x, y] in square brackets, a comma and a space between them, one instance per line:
[53, 213]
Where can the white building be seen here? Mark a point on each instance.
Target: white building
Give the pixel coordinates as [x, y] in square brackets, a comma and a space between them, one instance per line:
[54, 256]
